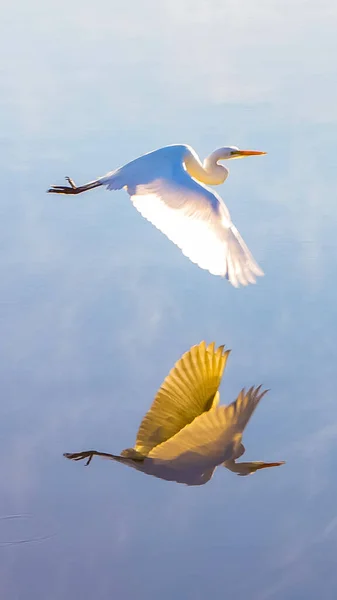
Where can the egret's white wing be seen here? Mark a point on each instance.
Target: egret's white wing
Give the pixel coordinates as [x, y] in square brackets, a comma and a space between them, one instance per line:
[188, 390]
[190, 214]
[212, 438]
[195, 219]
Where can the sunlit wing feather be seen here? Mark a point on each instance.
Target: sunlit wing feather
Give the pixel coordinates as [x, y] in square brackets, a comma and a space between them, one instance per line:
[189, 217]
[188, 390]
[211, 438]
[189, 213]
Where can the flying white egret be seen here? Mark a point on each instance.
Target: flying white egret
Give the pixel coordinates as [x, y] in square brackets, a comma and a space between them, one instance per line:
[168, 188]
[186, 434]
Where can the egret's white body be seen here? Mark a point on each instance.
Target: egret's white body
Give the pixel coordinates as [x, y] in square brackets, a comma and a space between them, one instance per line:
[169, 187]
[186, 434]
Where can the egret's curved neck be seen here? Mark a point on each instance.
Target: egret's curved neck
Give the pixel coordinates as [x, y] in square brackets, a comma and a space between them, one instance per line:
[209, 172]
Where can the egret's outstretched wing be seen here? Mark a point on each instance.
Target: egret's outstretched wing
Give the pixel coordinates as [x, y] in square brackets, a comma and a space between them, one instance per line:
[211, 438]
[189, 390]
[195, 219]
[190, 214]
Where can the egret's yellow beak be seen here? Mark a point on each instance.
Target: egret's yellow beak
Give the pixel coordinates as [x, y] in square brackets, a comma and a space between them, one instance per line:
[249, 153]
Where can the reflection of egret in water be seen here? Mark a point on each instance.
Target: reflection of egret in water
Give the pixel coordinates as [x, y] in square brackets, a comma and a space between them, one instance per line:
[186, 434]
[168, 188]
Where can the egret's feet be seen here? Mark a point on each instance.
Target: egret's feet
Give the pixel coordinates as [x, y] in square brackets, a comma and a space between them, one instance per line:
[71, 182]
[80, 456]
[64, 189]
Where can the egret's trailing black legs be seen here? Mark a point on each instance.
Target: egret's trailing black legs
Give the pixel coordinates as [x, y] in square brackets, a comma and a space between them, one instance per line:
[72, 188]
[81, 455]
[89, 454]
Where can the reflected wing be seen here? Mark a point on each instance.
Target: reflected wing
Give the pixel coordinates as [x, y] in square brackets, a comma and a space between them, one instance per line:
[189, 390]
[211, 438]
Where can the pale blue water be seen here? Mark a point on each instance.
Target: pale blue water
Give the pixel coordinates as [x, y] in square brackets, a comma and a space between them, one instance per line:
[97, 305]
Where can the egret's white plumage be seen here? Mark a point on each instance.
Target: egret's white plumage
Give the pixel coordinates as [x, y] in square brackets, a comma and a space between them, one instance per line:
[169, 188]
[186, 434]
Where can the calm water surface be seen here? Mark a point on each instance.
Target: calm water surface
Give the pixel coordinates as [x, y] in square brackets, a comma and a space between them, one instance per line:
[97, 305]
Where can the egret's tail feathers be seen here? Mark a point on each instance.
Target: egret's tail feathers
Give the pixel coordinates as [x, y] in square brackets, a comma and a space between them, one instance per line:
[242, 269]
[113, 180]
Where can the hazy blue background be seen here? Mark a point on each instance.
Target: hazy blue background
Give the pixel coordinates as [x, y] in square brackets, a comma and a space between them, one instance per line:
[97, 305]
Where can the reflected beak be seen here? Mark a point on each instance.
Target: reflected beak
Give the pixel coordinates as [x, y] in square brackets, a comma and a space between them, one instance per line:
[250, 153]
